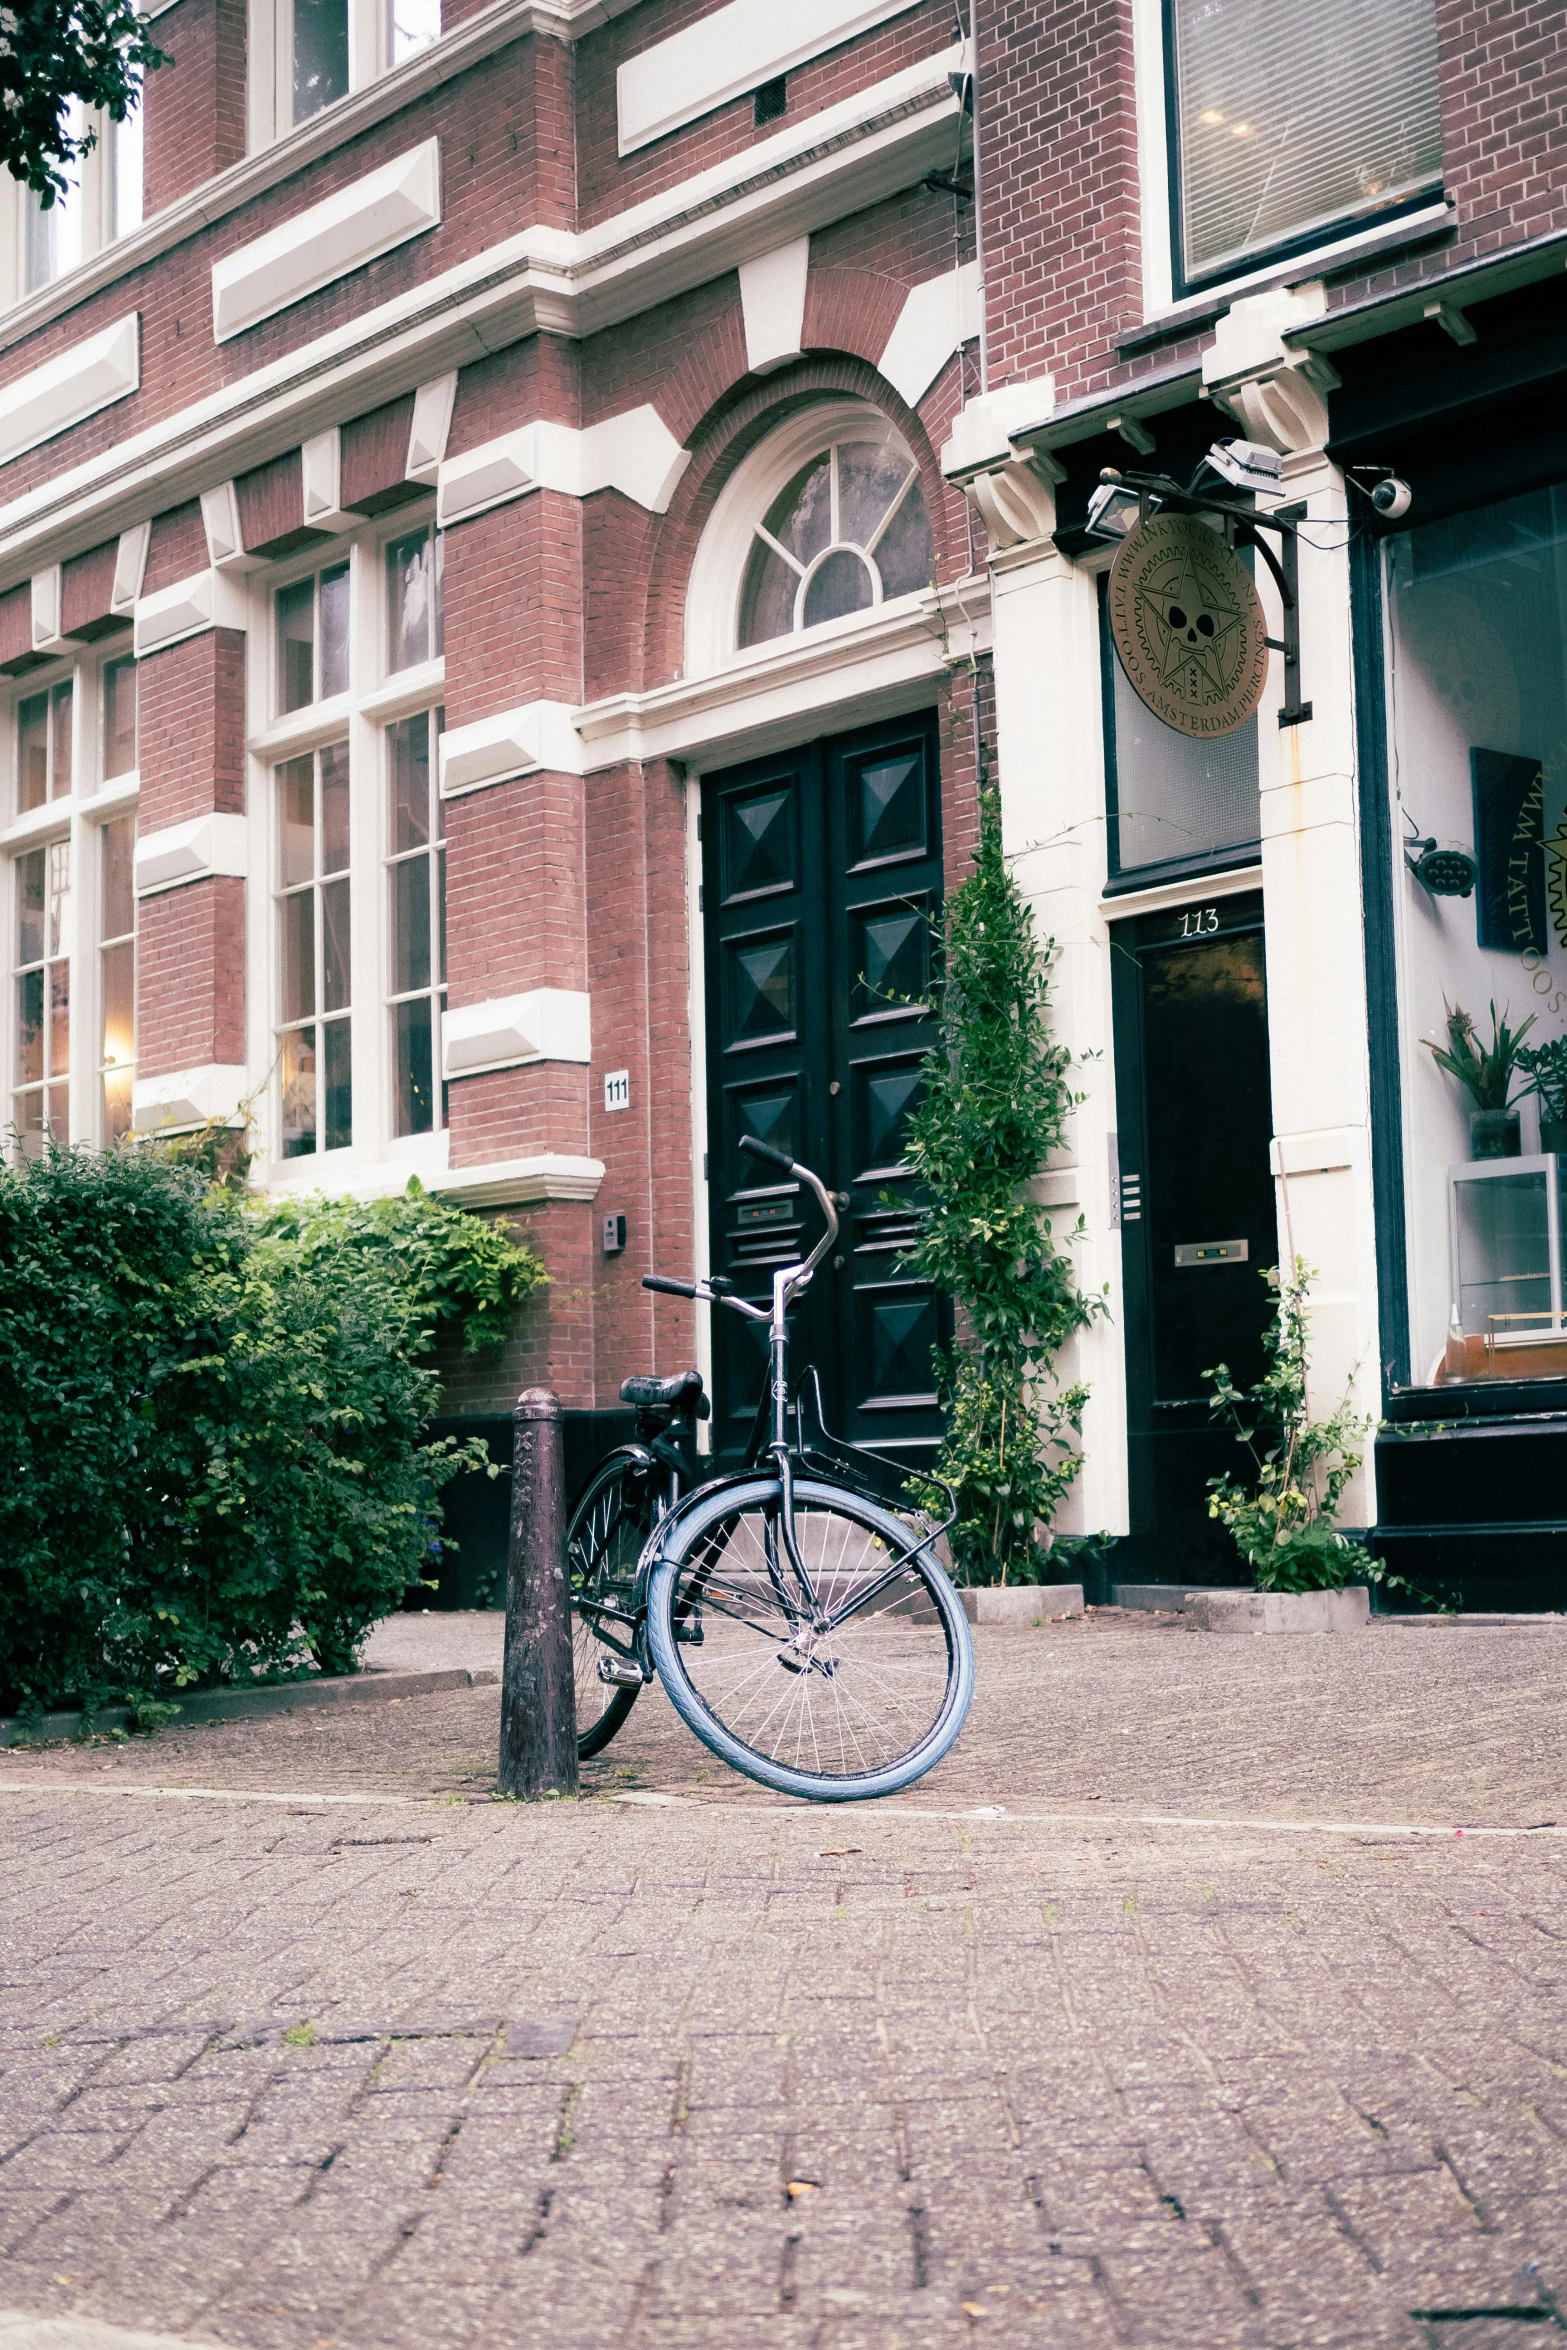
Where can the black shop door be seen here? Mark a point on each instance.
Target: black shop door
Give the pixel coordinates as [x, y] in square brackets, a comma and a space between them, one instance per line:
[821, 875]
[1198, 1221]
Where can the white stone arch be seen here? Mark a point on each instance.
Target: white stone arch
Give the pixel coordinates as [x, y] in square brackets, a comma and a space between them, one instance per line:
[871, 549]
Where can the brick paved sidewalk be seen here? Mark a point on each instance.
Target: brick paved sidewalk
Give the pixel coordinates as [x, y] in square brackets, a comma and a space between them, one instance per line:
[412, 2071]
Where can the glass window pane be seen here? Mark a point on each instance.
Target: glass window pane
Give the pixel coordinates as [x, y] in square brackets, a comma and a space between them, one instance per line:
[119, 718]
[52, 238]
[118, 1043]
[438, 597]
[336, 982]
[843, 584]
[800, 517]
[59, 1018]
[410, 925]
[906, 552]
[59, 1112]
[411, 1053]
[296, 641]
[320, 55]
[32, 752]
[298, 919]
[119, 861]
[297, 821]
[408, 765]
[57, 926]
[411, 25]
[334, 632]
[338, 1043]
[125, 172]
[408, 600]
[870, 475]
[334, 808]
[1176, 796]
[60, 708]
[767, 597]
[440, 913]
[30, 1027]
[299, 1092]
[117, 1103]
[1278, 140]
[30, 907]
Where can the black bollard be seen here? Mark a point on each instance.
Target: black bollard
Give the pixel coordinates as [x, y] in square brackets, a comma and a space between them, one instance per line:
[538, 1693]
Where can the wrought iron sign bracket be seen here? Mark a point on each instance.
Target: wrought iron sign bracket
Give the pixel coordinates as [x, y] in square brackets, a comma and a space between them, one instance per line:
[1156, 492]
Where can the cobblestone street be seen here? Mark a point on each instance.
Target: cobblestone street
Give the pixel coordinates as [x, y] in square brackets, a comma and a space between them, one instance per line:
[1210, 1994]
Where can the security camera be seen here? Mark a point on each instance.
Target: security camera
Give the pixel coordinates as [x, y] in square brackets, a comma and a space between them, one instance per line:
[1392, 498]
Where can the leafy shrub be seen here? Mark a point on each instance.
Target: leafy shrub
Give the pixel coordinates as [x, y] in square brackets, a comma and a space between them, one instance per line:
[995, 1103]
[1284, 1527]
[211, 1420]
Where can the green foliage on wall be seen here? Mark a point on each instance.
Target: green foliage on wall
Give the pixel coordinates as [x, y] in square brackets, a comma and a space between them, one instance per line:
[995, 1103]
[211, 1418]
[52, 51]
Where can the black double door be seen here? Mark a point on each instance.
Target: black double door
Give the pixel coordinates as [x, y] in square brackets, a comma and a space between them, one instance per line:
[1198, 1220]
[821, 878]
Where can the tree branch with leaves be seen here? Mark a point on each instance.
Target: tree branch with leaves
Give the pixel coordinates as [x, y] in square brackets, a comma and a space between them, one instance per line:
[53, 51]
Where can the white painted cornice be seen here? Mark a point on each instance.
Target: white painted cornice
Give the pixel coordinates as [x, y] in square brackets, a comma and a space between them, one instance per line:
[816, 170]
[881, 663]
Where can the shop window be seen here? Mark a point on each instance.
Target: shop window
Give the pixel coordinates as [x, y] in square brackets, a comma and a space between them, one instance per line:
[117, 974]
[1478, 705]
[415, 629]
[416, 884]
[1175, 803]
[1292, 125]
[314, 917]
[312, 639]
[40, 1101]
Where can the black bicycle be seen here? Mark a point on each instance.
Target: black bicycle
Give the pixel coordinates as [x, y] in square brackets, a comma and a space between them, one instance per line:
[795, 1610]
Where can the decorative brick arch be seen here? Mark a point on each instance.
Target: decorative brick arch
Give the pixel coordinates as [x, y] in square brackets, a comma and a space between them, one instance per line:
[727, 434]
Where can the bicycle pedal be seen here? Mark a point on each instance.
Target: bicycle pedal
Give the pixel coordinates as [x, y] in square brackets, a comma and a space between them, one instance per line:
[620, 1672]
[691, 1632]
[792, 1663]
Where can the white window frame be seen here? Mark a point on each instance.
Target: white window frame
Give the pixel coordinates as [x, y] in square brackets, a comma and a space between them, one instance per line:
[270, 50]
[95, 195]
[359, 717]
[77, 818]
[712, 615]
[1157, 198]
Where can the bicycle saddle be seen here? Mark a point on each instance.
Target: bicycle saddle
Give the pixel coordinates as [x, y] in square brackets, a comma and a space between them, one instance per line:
[681, 1393]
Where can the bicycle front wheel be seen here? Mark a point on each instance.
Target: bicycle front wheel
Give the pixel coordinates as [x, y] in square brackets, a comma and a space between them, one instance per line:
[611, 1521]
[857, 1693]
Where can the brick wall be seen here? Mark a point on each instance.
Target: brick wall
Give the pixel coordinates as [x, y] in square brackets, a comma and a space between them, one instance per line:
[194, 109]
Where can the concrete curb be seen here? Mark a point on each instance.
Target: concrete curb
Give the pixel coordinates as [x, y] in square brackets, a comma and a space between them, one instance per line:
[1220, 1610]
[1180, 1599]
[1021, 1605]
[232, 1705]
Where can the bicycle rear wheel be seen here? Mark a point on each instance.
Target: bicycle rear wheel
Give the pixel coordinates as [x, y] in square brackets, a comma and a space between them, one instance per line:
[858, 1696]
[604, 1537]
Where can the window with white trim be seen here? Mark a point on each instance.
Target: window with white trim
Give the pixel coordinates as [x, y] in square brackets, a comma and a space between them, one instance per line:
[1289, 126]
[346, 677]
[825, 520]
[69, 912]
[307, 54]
[102, 202]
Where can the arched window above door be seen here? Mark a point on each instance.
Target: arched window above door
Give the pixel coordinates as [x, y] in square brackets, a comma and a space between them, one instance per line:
[825, 519]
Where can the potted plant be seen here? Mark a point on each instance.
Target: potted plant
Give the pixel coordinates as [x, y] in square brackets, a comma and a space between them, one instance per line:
[1284, 1520]
[1488, 1073]
[1547, 1068]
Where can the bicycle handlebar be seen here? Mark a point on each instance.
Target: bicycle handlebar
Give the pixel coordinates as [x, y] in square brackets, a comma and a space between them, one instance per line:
[675, 1288]
[797, 1275]
[765, 1150]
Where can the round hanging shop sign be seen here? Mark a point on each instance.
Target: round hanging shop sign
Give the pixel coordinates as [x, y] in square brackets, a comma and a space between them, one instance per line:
[1187, 626]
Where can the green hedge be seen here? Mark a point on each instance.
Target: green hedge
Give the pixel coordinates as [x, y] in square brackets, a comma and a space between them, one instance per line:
[211, 1420]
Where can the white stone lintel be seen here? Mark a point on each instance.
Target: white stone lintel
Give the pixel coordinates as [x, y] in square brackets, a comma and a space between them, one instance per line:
[208, 599]
[192, 851]
[938, 317]
[772, 305]
[351, 227]
[634, 452]
[130, 564]
[545, 1024]
[188, 1097]
[727, 54]
[432, 422]
[511, 743]
[50, 399]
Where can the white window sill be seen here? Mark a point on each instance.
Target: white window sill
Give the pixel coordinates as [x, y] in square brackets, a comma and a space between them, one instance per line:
[1363, 244]
[305, 730]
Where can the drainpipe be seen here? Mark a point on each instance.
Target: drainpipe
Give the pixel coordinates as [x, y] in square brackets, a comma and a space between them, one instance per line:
[979, 195]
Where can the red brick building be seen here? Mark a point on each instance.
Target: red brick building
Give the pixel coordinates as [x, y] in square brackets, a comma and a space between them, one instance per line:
[528, 515]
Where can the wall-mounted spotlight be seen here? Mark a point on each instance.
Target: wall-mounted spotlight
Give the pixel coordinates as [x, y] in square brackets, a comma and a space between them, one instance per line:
[1113, 509]
[1444, 867]
[1245, 465]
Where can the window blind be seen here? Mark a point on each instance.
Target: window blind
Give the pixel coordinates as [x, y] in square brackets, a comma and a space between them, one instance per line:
[1296, 119]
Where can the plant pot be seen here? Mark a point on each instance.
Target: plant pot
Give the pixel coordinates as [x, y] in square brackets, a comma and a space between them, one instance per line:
[1553, 1135]
[1494, 1134]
